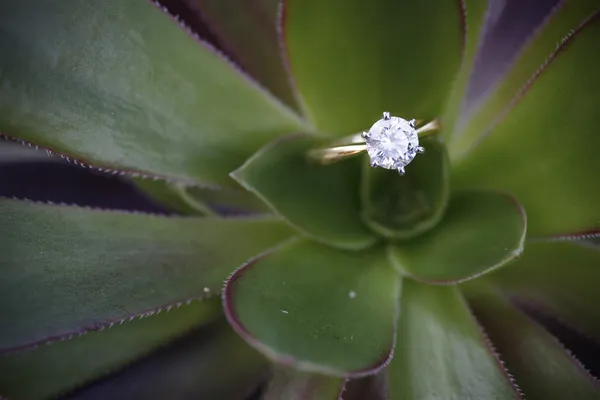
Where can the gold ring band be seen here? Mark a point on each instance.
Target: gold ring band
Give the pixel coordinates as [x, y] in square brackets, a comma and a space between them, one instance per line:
[355, 144]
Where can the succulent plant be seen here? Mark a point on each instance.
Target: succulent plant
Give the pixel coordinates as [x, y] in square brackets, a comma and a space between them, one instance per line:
[336, 281]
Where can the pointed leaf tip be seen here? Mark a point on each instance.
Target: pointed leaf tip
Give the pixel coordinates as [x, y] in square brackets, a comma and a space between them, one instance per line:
[317, 309]
[322, 201]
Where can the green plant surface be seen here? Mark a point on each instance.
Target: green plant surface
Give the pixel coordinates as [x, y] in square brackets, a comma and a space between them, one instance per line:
[292, 385]
[321, 201]
[124, 264]
[106, 104]
[404, 208]
[441, 351]
[539, 362]
[350, 63]
[272, 274]
[480, 232]
[344, 328]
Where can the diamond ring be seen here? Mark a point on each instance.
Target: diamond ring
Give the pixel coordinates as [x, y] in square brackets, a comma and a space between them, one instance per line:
[391, 143]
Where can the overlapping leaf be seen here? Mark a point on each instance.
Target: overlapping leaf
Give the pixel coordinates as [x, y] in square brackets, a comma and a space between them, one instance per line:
[69, 270]
[545, 151]
[65, 365]
[120, 84]
[481, 231]
[353, 59]
[317, 309]
[441, 352]
[320, 200]
[560, 279]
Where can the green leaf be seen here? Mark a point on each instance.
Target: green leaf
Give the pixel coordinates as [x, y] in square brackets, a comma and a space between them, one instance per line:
[404, 207]
[322, 201]
[47, 371]
[121, 85]
[227, 200]
[168, 195]
[352, 59]
[473, 20]
[545, 151]
[317, 309]
[211, 363]
[481, 231]
[66, 270]
[248, 31]
[540, 364]
[292, 385]
[560, 278]
[441, 352]
[564, 18]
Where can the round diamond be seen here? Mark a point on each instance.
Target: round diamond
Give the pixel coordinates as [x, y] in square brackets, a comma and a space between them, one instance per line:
[392, 143]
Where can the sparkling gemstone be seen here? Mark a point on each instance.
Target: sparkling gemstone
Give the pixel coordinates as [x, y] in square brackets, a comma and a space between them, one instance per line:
[392, 143]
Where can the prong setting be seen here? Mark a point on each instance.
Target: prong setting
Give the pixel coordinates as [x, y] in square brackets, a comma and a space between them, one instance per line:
[401, 171]
[420, 150]
[412, 123]
[386, 116]
[365, 135]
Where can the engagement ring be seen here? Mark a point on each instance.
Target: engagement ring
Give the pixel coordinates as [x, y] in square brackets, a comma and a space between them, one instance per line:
[392, 143]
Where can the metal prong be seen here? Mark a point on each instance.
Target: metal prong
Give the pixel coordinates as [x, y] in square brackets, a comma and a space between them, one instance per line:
[386, 115]
[364, 135]
[412, 123]
[373, 164]
[420, 150]
[401, 171]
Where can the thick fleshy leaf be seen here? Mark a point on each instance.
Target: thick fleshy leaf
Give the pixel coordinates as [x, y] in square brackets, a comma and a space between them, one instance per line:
[404, 207]
[193, 200]
[481, 231]
[545, 151]
[558, 25]
[560, 278]
[211, 363]
[292, 385]
[537, 360]
[441, 352]
[322, 201]
[473, 14]
[168, 195]
[248, 31]
[45, 371]
[66, 270]
[121, 85]
[317, 309]
[353, 59]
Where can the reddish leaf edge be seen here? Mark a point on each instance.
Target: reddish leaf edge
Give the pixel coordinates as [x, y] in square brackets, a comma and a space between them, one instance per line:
[282, 16]
[465, 117]
[567, 237]
[241, 217]
[109, 323]
[238, 176]
[107, 170]
[561, 47]
[229, 62]
[485, 338]
[516, 304]
[287, 360]
[513, 255]
[232, 49]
